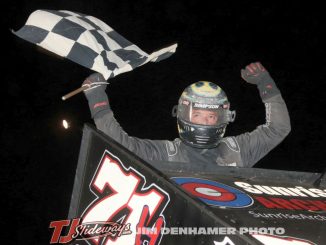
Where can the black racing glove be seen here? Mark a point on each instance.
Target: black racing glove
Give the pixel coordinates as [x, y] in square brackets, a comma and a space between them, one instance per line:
[95, 93]
[255, 73]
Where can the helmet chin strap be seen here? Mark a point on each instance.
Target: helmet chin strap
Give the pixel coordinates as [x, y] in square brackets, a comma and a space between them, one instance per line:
[222, 135]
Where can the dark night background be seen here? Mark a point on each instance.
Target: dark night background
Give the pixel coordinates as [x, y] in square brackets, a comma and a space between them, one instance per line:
[216, 39]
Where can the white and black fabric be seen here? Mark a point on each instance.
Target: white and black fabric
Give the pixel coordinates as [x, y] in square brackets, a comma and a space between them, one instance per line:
[87, 41]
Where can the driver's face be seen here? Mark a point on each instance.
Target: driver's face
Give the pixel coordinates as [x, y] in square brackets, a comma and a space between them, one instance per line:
[204, 117]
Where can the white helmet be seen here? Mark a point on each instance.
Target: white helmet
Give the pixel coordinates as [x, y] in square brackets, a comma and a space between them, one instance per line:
[208, 99]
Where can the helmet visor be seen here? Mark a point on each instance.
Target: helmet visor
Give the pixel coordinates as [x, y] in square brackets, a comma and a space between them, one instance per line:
[203, 114]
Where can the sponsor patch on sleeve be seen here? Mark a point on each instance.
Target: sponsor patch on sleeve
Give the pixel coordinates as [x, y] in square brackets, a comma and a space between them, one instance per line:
[232, 143]
[171, 148]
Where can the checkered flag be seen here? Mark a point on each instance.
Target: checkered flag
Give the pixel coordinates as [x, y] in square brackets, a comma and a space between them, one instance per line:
[87, 41]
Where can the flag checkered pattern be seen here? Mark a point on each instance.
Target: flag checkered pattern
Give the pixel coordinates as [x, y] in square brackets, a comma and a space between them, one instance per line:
[87, 41]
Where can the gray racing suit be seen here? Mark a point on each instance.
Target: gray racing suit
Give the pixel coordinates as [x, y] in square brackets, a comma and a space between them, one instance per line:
[243, 150]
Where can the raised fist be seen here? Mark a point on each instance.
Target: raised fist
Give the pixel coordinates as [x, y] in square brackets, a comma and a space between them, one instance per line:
[254, 73]
[93, 81]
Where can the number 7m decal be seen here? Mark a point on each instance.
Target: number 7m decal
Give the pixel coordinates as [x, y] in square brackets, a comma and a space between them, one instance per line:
[124, 197]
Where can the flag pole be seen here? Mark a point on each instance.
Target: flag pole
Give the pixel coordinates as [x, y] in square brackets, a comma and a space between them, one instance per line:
[72, 93]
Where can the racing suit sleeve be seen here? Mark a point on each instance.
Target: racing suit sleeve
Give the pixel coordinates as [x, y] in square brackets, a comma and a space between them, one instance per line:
[256, 144]
[106, 122]
[144, 148]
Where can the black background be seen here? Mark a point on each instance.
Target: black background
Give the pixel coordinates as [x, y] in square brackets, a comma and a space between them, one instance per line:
[216, 39]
